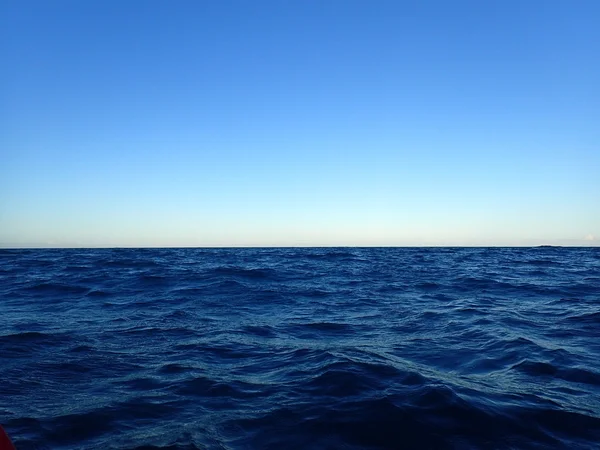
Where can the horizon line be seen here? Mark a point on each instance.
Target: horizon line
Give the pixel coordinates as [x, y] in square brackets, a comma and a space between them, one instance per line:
[2, 247]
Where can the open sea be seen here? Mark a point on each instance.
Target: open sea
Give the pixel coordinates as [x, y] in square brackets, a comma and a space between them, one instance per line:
[301, 348]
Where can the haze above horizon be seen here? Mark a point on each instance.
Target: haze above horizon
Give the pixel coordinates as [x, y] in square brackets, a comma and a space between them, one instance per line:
[268, 123]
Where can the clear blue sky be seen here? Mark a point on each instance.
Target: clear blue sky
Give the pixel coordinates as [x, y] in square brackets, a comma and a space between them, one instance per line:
[203, 123]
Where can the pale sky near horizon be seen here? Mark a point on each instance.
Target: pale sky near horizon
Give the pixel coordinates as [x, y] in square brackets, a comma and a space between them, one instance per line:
[266, 123]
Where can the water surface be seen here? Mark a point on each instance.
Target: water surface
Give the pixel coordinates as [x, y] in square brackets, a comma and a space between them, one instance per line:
[354, 348]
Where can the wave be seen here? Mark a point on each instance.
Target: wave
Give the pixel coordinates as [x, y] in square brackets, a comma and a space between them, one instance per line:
[592, 318]
[548, 369]
[240, 272]
[55, 288]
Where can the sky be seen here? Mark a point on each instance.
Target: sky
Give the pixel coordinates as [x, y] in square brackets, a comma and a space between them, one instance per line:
[299, 123]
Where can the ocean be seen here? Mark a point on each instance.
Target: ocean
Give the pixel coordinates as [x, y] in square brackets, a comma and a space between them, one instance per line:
[300, 348]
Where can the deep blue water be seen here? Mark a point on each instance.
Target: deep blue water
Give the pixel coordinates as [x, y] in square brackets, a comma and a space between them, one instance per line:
[353, 348]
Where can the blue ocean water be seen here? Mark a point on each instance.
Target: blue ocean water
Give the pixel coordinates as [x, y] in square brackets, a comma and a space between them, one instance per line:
[316, 348]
